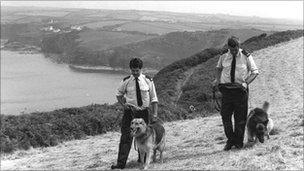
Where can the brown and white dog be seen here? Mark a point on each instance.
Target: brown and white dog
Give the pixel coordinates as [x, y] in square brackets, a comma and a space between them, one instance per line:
[259, 124]
[148, 139]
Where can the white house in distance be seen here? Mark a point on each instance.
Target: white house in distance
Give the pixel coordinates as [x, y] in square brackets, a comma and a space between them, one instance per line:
[76, 28]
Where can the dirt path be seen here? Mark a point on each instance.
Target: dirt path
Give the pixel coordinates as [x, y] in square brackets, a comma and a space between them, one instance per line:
[198, 143]
[182, 82]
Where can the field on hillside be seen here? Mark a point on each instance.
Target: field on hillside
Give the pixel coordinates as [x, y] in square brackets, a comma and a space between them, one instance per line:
[100, 24]
[43, 13]
[101, 40]
[156, 27]
[198, 143]
[163, 50]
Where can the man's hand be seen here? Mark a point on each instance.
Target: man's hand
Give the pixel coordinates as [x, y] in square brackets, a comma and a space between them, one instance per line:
[153, 119]
[126, 106]
[215, 83]
[245, 85]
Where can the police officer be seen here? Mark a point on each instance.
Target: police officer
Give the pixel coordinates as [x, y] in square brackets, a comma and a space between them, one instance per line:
[235, 70]
[135, 93]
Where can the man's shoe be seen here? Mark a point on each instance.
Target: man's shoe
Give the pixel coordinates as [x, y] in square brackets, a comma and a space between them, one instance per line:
[117, 167]
[228, 146]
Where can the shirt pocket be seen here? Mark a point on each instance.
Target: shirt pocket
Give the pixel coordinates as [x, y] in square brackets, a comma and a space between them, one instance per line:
[131, 89]
[226, 63]
[241, 67]
[144, 88]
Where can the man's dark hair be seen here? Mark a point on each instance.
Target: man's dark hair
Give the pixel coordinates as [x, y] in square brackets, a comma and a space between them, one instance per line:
[233, 42]
[136, 63]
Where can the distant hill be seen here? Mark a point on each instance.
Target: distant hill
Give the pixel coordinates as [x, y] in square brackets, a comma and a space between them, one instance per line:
[163, 50]
[101, 47]
[159, 21]
[188, 81]
[112, 37]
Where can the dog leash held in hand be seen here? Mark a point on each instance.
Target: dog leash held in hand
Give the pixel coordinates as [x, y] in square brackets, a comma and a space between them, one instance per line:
[132, 115]
[217, 105]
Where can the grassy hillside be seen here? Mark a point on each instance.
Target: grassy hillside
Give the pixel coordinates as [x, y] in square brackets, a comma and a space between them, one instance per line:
[101, 40]
[27, 33]
[50, 128]
[163, 50]
[174, 82]
[115, 48]
[197, 144]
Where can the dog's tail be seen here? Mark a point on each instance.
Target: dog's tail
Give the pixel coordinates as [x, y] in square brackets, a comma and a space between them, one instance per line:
[266, 106]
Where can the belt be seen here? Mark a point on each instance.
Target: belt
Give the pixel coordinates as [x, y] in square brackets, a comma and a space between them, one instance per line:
[136, 108]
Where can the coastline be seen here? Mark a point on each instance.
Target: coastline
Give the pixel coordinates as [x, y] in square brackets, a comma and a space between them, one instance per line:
[103, 69]
[21, 48]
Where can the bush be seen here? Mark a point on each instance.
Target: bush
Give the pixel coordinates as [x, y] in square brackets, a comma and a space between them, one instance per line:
[50, 128]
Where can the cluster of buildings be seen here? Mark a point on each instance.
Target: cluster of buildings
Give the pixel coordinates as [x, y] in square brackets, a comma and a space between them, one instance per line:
[63, 30]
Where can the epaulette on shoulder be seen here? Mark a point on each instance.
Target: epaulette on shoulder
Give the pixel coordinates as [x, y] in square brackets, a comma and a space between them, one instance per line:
[148, 77]
[224, 51]
[126, 78]
[246, 53]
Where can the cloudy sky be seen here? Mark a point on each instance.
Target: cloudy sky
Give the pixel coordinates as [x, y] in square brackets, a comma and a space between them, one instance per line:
[267, 9]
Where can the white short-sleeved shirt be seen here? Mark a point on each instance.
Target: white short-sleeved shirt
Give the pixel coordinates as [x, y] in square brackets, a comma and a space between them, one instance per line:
[244, 66]
[127, 88]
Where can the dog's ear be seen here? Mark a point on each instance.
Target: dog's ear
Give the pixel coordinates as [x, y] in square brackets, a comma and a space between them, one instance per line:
[266, 106]
[142, 121]
[266, 122]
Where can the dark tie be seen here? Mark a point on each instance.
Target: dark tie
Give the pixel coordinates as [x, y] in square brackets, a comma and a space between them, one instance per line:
[138, 94]
[232, 71]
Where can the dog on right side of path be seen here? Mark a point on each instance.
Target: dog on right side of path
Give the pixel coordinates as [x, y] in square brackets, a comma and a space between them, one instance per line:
[259, 124]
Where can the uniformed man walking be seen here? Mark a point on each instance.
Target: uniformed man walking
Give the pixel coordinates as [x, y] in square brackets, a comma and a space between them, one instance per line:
[235, 70]
[135, 94]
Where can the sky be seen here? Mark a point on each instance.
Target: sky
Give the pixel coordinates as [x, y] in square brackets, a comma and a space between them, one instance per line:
[266, 9]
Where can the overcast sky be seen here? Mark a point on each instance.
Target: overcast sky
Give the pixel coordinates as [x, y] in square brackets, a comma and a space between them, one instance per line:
[267, 9]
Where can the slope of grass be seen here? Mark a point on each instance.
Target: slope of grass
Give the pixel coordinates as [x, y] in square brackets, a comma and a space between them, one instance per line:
[101, 40]
[163, 50]
[49, 128]
[197, 91]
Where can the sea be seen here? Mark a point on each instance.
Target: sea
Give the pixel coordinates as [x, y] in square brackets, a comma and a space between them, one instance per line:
[33, 83]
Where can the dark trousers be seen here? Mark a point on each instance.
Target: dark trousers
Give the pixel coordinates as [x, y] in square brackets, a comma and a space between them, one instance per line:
[234, 102]
[126, 138]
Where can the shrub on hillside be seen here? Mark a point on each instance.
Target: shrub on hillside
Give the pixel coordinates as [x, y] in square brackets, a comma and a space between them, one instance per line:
[49, 128]
[262, 41]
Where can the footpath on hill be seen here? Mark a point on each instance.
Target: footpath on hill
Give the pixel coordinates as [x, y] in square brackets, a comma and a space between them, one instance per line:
[198, 143]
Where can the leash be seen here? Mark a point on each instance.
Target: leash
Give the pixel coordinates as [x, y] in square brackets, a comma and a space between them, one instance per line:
[132, 117]
[216, 103]
[135, 145]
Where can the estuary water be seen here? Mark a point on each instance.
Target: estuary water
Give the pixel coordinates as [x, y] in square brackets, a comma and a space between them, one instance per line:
[31, 82]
